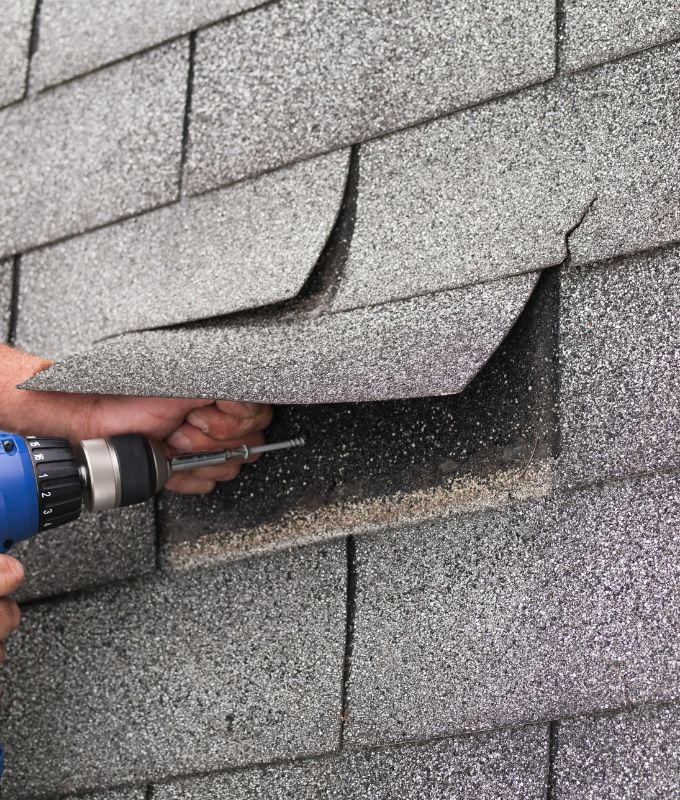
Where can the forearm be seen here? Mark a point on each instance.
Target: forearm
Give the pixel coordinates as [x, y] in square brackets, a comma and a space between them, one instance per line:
[27, 412]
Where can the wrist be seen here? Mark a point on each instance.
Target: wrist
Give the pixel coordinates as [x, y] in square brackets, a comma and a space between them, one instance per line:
[34, 413]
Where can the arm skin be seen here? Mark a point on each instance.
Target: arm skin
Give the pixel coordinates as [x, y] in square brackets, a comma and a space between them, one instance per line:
[184, 425]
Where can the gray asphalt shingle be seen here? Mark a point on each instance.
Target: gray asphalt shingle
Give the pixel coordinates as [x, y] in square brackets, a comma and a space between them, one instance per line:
[5, 298]
[100, 148]
[600, 30]
[620, 384]
[518, 615]
[628, 756]
[493, 190]
[427, 346]
[16, 17]
[76, 37]
[94, 550]
[246, 246]
[504, 765]
[114, 794]
[184, 673]
[299, 77]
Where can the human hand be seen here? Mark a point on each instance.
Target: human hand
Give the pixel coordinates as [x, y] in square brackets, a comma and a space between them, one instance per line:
[184, 425]
[11, 577]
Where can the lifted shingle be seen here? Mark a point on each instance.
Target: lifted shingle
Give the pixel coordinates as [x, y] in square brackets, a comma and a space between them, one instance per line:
[530, 613]
[246, 246]
[599, 30]
[189, 672]
[303, 76]
[629, 756]
[100, 148]
[16, 17]
[493, 191]
[504, 765]
[430, 345]
[77, 37]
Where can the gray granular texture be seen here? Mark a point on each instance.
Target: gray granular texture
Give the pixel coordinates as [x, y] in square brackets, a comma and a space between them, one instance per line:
[624, 757]
[529, 613]
[187, 673]
[91, 151]
[493, 191]
[5, 298]
[239, 248]
[504, 765]
[431, 345]
[600, 30]
[620, 387]
[302, 76]
[76, 37]
[114, 794]
[15, 31]
[96, 549]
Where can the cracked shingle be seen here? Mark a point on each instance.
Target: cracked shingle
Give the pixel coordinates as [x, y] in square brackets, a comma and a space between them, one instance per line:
[89, 152]
[246, 246]
[76, 37]
[16, 17]
[600, 30]
[533, 612]
[628, 756]
[426, 346]
[493, 190]
[620, 377]
[183, 673]
[300, 77]
[504, 765]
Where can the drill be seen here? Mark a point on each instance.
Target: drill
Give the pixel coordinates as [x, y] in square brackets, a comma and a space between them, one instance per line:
[44, 481]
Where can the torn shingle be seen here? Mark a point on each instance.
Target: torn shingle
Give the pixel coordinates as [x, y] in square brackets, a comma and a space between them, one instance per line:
[6, 271]
[246, 246]
[77, 37]
[532, 612]
[494, 190]
[300, 77]
[94, 150]
[97, 549]
[194, 671]
[16, 17]
[620, 384]
[628, 756]
[430, 345]
[600, 30]
[504, 765]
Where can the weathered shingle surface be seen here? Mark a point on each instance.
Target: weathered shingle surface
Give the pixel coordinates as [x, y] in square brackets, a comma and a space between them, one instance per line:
[186, 673]
[517, 615]
[298, 77]
[5, 298]
[494, 190]
[600, 30]
[76, 37]
[620, 381]
[245, 246]
[622, 757]
[15, 33]
[505, 765]
[414, 348]
[96, 549]
[115, 794]
[102, 147]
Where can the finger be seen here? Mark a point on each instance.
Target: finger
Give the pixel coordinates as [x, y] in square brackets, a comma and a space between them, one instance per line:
[10, 616]
[3, 653]
[222, 472]
[240, 409]
[187, 439]
[186, 483]
[220, 424]
[11, 574]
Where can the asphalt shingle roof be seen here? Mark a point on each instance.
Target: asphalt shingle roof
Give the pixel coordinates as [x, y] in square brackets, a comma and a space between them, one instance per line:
[15, 31]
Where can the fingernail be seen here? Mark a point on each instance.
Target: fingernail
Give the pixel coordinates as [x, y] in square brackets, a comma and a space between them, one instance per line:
[198, 422]
[179, 441]
[16, 568]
